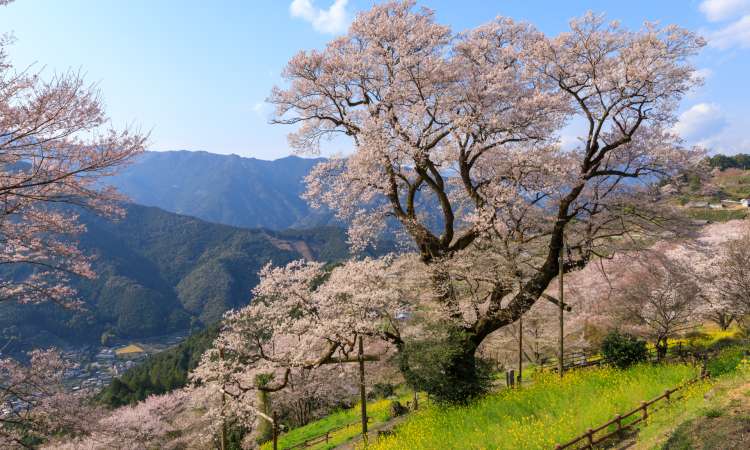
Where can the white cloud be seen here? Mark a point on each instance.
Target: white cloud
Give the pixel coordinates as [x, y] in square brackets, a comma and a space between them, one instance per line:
[733, 34]
[731, 139]
[703, 74]
[701, 122]
[700, 76]
[333, 20]
[736, 34]
[260, 109]
[717, 10]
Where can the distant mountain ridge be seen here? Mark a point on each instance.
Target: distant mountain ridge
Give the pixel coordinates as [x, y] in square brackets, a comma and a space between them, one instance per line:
[227, 189]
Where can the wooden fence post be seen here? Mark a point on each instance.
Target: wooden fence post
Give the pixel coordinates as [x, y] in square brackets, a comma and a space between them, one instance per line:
[561, 272]
[618, 418]
[644, 405]
[275, 432]
[590, 436]
[362, 393]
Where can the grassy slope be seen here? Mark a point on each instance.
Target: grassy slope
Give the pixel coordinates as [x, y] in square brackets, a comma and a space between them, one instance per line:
[717, 215]
[585, 399]
[539, 416]
[378, 412]
[710, 414]
[733, 184]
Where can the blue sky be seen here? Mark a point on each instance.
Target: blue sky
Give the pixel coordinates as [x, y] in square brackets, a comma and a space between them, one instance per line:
[196, 73]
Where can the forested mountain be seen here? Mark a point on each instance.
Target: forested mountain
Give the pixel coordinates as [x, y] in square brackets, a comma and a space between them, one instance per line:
[161, 272]
[228, 189]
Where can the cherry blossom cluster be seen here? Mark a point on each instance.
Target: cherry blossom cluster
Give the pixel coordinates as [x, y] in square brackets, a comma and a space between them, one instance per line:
[36, 404]
[302, 316]
[55, 146]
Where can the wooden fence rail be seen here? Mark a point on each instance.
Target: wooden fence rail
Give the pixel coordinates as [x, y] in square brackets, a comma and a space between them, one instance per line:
[584, 359]
[589, 438]
[321, 438]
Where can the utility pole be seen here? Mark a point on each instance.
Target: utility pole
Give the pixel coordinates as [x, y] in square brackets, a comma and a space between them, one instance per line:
[560, 363]
[275, 436]
[520, 349]
[362, 394]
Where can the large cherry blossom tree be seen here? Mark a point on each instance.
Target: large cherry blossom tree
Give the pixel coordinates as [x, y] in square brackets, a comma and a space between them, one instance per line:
[463, 128]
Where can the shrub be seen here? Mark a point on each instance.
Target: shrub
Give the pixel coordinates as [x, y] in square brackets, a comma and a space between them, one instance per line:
[382, 390]
[623, 350]
[728, 359]
[397, 409]
[713, 413]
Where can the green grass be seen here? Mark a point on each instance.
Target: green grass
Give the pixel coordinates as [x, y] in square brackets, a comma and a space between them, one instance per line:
[675, 426]
[716, 215]
[378, 411]
[547, 412]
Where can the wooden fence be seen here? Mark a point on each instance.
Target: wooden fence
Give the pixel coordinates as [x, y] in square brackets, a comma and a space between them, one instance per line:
[623, 422]
[586, 359]
[324, 438]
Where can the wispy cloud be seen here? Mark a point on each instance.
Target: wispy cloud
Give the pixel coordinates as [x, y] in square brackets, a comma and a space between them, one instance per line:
[333, 20]
[718, 10]
[700, 122]
[703, 74]
[736, 34]
[261, 109]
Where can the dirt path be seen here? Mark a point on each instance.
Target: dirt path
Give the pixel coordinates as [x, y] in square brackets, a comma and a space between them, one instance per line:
[724, 426]
[723, 423]
[372, 432]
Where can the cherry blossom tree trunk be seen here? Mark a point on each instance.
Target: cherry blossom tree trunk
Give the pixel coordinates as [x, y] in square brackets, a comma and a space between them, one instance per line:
[724, 321]
[265, 428]
[462, 371]
[661, 348]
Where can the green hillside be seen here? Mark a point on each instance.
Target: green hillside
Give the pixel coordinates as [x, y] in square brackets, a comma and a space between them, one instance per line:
[161, 272]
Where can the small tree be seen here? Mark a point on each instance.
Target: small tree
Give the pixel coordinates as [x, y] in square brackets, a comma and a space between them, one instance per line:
[731, 277]
[432, 355]
[659, 297]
